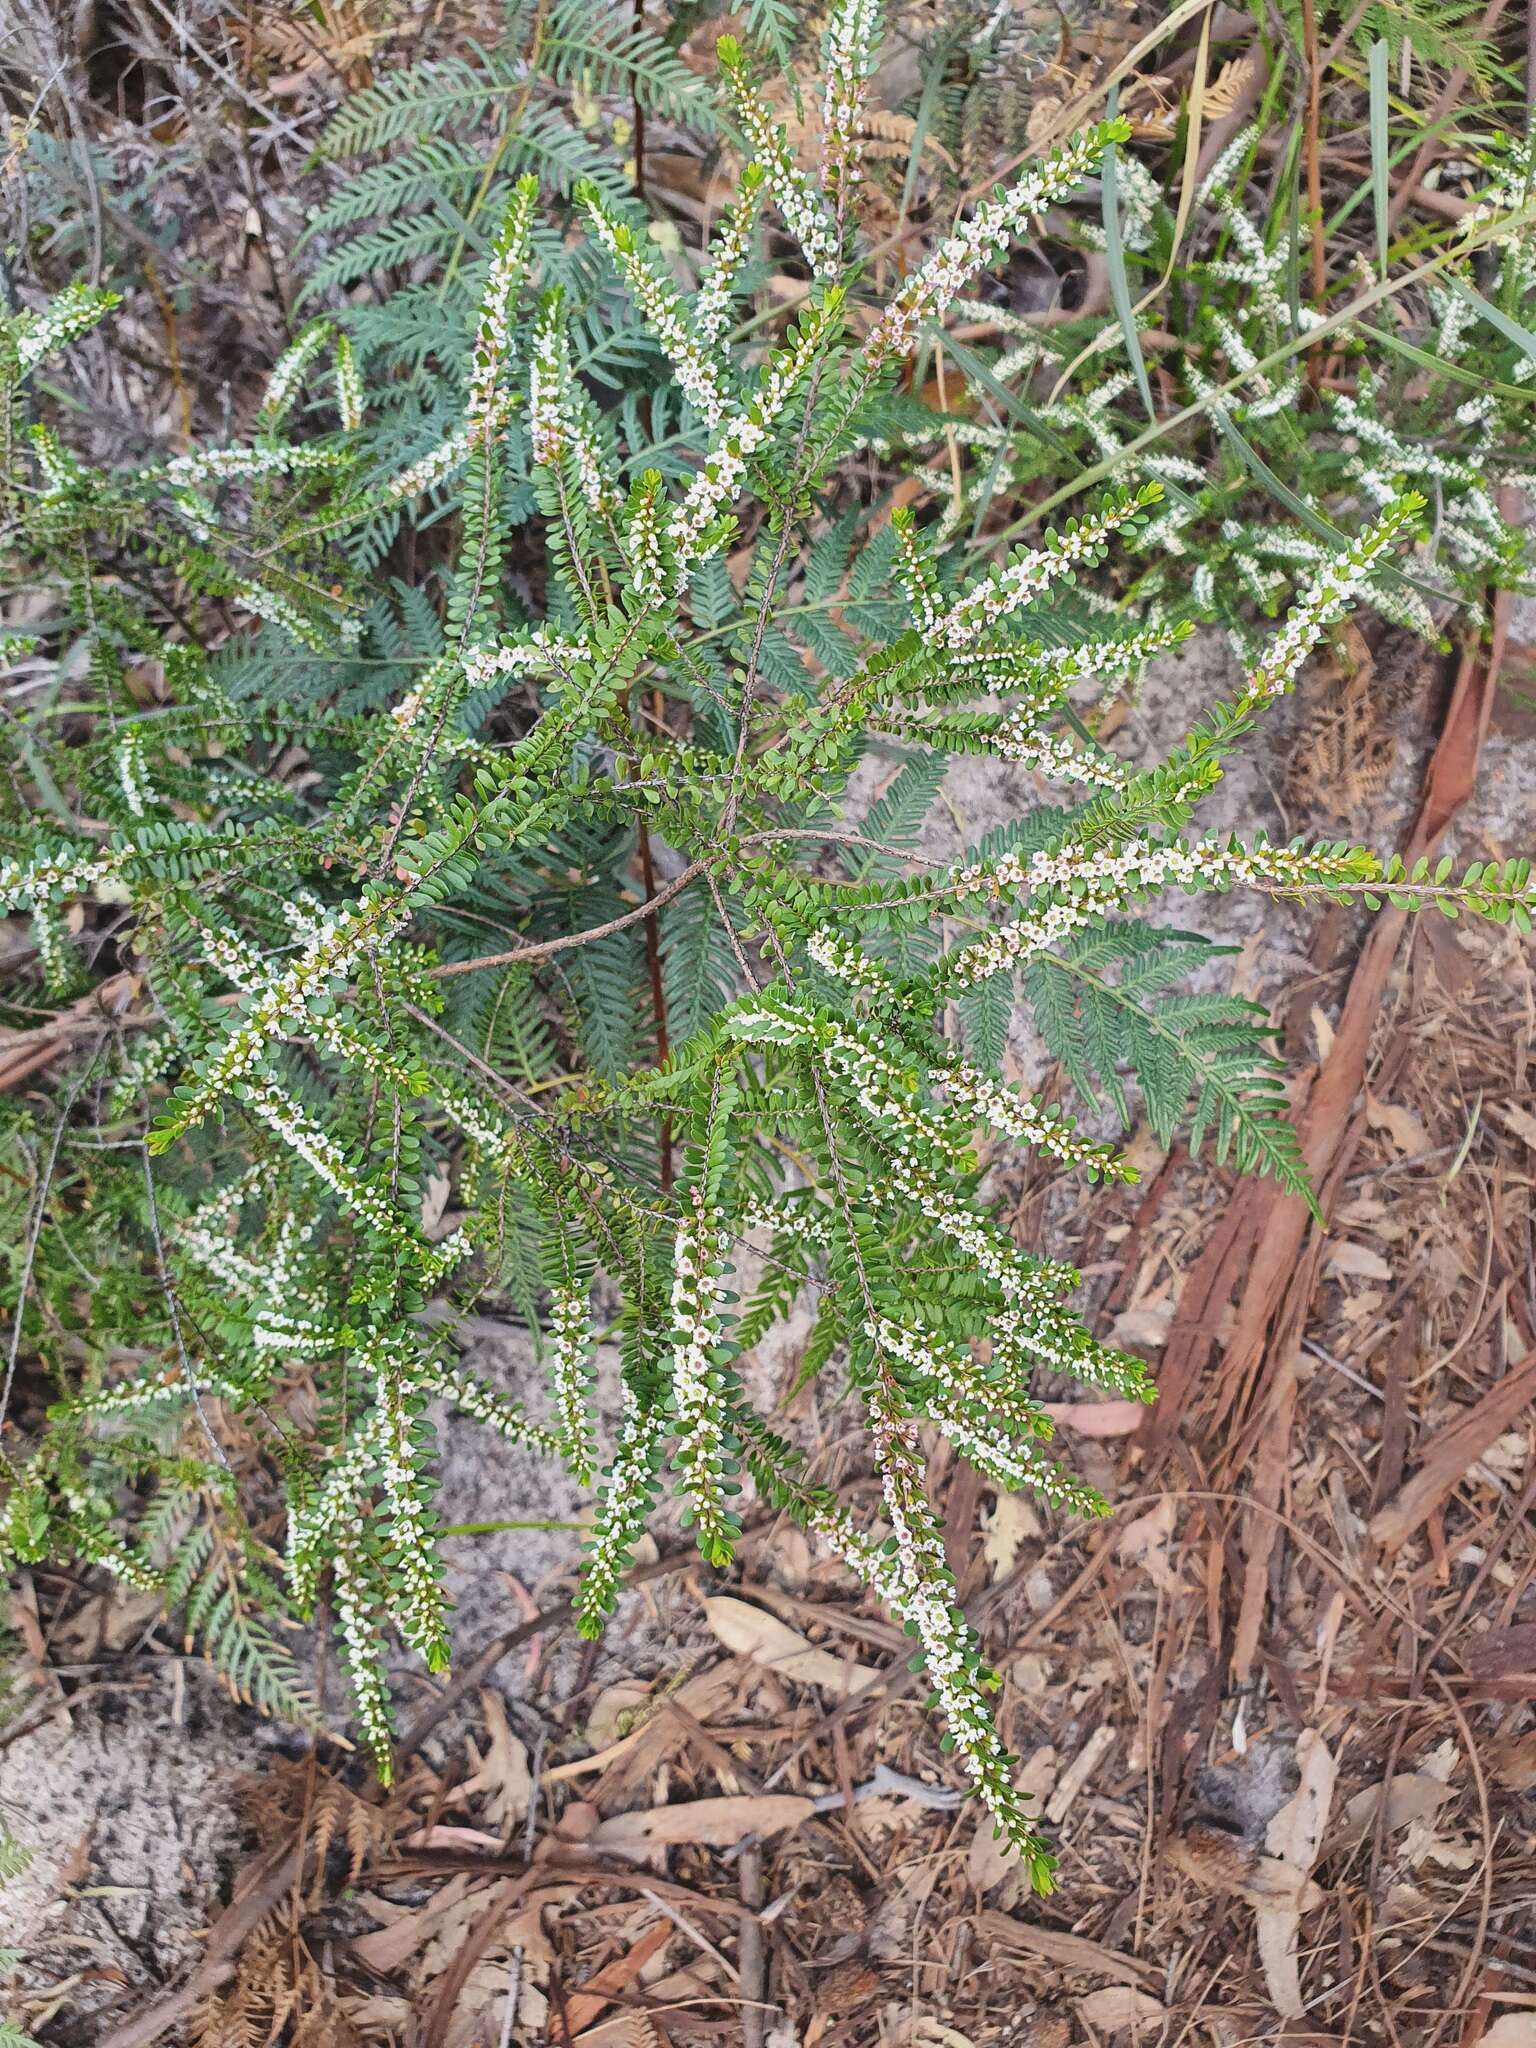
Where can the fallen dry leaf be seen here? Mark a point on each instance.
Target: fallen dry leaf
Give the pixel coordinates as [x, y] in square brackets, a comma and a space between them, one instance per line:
[1118, 2006]
[1097, 1418]
[389, 1948]
[1452, 1452]
[1011, 1524]
[1079, 1772]
[1515, 1119]
[1147, 1326]
[1067, 1951]
[1410, 1796]
[1145, 1542]
[1357, 1260]
[1294, 1836]
[708, 1823]
[1404, 1130]
[1513, 1762]
[763, 1639]
[1511, 2030]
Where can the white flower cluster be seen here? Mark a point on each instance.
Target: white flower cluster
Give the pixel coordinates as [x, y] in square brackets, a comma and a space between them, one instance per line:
[484, 1405]
[355, 1607]
[1031, 571]
[1140, 195]
[1258, 271]
[207, 1244]
[570, 1373]
[413, 1551]
[745, 431]
[914, 566]
[133, 772]
[623, 1506]
[235, 958]
[1026, 1122]
[349, 385]
[1268, 397]
[953, 1392]
[1033, 1324]
[1326, 599]
[699, 1270]
[227, 465]
[408, 709]
[323, 1156]
[548, 374]
[120, 1558]
[62, 475]
[52, 879]
[494, 330]
[1049, 672]
[292, 1314]
[329, 955]
[73, 312]
[1024, 740]
[928, 1604]
[540, 650]
[140, 1063]
[798, 201]
[288, 372]
[643, 541]
[53, 953]
[840, 956]
[436, 466]
[148, 1390]
[263, 602]
[989, 233]
[292, 1123]
[809, 1221]
[727, 252]
[595, 487]
[661, 306]
[318, 1521]
[1470, 525]
[969, 1089]
[848, 54]
[1080, 884]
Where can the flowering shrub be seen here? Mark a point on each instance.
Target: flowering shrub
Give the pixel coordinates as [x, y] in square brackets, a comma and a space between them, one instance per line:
[315, 1020]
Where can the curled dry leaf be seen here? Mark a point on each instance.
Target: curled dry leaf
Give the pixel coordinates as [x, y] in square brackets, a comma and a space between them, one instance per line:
[1223, 1862]
[504, 1777]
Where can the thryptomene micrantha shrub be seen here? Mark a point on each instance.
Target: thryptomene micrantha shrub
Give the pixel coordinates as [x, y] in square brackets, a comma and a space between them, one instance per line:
[361, 930]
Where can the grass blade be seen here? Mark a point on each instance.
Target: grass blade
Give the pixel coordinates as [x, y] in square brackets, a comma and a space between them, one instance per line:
[1314, 521]
[1380, 146]
[1119, 282]
[1511, 330]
